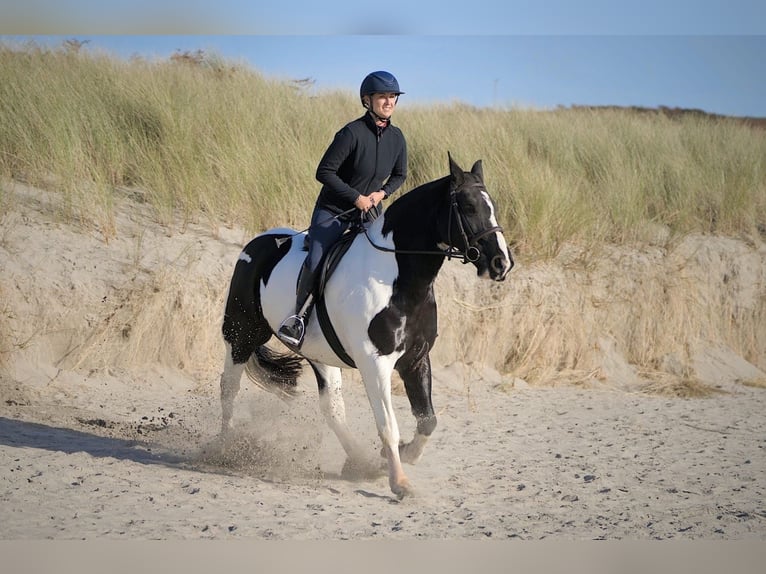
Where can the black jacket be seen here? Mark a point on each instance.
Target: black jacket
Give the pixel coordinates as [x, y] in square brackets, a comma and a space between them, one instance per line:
[360, 160]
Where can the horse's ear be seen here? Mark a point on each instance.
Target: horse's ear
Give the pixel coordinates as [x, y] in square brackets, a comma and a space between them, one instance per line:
[455, 170]
[477, 170]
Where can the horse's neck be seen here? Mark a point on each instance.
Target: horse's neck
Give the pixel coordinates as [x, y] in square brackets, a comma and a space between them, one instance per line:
[413, 217]
[411, 220]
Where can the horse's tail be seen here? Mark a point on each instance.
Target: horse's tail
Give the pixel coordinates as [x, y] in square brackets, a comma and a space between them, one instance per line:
[275, 372]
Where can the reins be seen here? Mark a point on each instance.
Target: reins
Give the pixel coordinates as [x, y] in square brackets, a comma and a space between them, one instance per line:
[281, 240]
[470, 255]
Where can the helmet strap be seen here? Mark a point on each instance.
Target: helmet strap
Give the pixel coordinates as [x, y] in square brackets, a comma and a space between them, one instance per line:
[378, 118]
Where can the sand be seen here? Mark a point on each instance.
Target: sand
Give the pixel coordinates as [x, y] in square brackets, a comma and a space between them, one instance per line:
[108, 419]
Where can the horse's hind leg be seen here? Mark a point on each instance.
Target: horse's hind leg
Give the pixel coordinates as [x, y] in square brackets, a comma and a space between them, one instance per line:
[230, 384]
[417, 383]
[244, 326]
[334, 410]
[241, 336]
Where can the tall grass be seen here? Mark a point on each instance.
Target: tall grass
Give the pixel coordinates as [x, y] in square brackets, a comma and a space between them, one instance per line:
[200, 138]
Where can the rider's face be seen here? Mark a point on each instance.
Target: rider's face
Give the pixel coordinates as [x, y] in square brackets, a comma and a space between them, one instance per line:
[383, 104]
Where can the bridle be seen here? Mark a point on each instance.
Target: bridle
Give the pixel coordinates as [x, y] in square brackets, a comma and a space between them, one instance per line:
[469, 236]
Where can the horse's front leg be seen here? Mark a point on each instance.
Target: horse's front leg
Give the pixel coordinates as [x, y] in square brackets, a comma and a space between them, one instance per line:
[417, 382]
[377, 382]
[358, 464]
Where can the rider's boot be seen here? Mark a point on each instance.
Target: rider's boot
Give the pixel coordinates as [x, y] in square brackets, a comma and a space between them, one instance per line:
[293, 328]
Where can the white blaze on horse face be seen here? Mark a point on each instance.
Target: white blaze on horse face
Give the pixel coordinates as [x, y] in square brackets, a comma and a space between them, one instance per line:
[498, 234]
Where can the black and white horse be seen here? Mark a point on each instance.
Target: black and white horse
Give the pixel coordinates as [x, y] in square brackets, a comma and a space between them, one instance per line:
[379, 300]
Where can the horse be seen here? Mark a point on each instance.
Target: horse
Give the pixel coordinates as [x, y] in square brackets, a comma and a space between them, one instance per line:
[379, 303]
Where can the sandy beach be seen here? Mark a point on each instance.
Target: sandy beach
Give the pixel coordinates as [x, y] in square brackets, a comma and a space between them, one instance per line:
[108, 421]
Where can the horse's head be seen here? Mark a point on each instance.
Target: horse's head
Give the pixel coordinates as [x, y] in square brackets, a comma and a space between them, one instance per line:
[472, 227]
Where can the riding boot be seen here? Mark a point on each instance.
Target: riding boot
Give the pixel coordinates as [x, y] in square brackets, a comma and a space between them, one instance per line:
[293, 328]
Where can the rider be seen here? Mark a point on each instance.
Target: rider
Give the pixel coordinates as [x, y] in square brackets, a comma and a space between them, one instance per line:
[365, 163]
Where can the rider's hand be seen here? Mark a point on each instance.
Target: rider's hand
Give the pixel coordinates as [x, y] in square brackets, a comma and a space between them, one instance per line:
[377, 196]
[363, 203]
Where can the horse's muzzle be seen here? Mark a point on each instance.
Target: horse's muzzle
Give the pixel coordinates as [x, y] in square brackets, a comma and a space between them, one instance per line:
[499, 267]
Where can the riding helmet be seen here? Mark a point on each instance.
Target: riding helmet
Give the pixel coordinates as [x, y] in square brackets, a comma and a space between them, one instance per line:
[380, 82]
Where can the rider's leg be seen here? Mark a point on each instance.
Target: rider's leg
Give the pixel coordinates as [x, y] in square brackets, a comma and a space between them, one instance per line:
[326, 229]
[305, 288]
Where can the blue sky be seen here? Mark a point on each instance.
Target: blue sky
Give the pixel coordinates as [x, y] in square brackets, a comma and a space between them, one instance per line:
[703, 54]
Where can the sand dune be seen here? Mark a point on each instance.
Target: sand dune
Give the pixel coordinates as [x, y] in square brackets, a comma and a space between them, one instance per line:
[109, 408]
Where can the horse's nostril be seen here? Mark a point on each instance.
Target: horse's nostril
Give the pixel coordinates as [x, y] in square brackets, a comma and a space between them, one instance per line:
[498, 263]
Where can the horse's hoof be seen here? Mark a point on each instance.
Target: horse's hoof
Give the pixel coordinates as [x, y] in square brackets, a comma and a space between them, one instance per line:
[402, 489]
[215, 446]
[407, 456]
[225, 437]
[218, 439]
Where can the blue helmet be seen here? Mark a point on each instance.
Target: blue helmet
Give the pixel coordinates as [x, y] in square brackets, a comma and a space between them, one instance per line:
[380, 82]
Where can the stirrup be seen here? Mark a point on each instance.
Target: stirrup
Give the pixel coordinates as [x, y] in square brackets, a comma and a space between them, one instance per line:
[291, 330]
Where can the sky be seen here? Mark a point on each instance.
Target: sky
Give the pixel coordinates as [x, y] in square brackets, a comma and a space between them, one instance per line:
[701, 54]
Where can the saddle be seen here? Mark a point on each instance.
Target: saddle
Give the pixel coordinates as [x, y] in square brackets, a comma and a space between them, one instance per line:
[326, 269]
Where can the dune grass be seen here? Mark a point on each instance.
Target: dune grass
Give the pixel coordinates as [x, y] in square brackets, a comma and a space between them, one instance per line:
[199, 138]
[589, 194]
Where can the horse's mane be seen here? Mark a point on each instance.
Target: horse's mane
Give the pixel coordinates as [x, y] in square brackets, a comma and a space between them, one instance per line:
[416, 207]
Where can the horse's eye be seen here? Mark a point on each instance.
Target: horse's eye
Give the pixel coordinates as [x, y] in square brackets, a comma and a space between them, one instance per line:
[469, 209]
